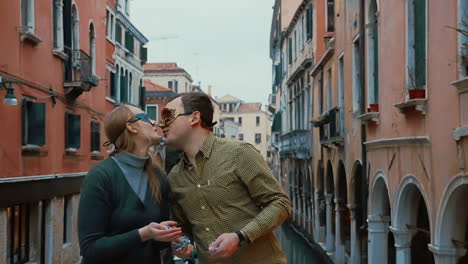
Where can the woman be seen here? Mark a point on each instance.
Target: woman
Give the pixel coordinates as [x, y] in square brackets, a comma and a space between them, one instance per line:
[123, 211]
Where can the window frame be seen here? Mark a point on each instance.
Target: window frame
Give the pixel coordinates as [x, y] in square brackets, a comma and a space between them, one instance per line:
[28, 133]
[157, 111]
[76, 131]
[258, 138]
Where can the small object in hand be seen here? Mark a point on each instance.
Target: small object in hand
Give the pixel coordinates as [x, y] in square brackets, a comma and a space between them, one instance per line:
[214, 249]
[185, 241]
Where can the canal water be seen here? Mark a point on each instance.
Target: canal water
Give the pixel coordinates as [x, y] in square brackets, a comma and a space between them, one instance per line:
[297, 250]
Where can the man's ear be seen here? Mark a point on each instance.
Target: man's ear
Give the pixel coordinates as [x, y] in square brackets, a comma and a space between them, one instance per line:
[195, 119]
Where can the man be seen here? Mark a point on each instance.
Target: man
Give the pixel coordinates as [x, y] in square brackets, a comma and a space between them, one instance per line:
[223, 194]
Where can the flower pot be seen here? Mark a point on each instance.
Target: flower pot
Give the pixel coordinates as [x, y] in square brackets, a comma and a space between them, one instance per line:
[417, 94]
[373, 108]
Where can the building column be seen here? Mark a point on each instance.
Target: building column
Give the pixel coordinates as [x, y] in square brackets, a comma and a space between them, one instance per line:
[59, 15]
[318, 230]
[3, 235]
[402, 245]
[446, 255]
[330, 243]
[378, 239]
[339, 245]
[355, 243]
[311, 214]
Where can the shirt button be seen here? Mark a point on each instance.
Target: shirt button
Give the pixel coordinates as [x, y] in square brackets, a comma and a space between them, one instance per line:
[207, 229]
[203, 207]
[198, 185]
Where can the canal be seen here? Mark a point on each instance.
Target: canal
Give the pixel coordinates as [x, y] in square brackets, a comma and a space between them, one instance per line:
[297, 250]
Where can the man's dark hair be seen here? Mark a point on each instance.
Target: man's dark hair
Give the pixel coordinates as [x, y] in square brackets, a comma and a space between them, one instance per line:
[200, 102]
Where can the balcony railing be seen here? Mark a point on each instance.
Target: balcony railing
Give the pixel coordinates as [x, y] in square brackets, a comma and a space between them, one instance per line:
[296, 143]
[330, 130]
[79, 76]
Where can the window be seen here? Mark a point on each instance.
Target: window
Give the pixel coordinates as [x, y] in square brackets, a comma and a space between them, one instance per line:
[18, 218]
[27, 16]
[73, 131]
[290, 51]
[268, 154]
[240, 121]
[463, 38]
[373, 57]
[176, 86]
[356, 77]
[152, 111]
[110, 18]
[169, 84]
[341, 93]
[320, 95]
[92, 48]
[258, 138]
[303, 31]
[416, 44]
[95, 136]
[58, 24]
[33, 127]
[129, 42]
[310, 22]
[241, 137]
[118, 34]
[257, 120]
[295, 45]
[330, 15]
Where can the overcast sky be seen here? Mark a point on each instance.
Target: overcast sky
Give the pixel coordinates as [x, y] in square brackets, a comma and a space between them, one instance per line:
[223, 43]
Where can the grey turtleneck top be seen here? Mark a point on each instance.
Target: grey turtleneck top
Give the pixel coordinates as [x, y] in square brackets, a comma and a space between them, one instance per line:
[133, 168]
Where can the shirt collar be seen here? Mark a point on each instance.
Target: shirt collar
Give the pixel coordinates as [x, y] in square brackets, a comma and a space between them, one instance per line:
[205, 149]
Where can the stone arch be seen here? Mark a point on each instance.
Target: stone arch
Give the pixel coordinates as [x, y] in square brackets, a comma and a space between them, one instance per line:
[411, 224]
[452, 221]
[342, 223]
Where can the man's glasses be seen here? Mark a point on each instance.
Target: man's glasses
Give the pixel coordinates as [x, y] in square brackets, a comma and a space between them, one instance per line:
[168, 115]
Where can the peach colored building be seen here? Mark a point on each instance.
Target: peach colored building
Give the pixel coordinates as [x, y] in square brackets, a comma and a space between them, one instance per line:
[169, 75]
[388, 158]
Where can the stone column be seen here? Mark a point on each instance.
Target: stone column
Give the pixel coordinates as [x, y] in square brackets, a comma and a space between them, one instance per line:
[318, 232]
[355, 243]
[402, 245]
[446, 255]
[378, 239]
[4, 246]
[339, 245]
[59, 15]
[330, 243]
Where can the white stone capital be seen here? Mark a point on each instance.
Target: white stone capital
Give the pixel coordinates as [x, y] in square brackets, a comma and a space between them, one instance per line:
[402, 237]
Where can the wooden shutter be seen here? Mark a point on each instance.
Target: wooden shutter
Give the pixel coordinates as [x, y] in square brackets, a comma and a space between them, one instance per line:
[420, 42]
[95, 136]
[118, 34]
[143, 54]
[36, 128]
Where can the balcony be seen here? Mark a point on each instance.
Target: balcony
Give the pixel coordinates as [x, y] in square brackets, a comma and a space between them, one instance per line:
[296, 144]
[329, 124]
[78, 74]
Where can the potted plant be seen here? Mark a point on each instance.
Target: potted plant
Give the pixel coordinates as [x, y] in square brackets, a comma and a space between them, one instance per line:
[373, 108]
[413, 91]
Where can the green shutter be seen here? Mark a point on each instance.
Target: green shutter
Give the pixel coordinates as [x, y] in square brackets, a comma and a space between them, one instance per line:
[290, 50]
[118, 34]
[376, 60]
[95, 136]
[151, 111]
[420, 42]
[144, 54]
[77, 131]
[55, 22]
[129, 41]
[36, 127]
[73, 128]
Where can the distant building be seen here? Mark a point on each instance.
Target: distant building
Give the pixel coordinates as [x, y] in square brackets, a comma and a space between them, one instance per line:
[169, 75]
[253, 124]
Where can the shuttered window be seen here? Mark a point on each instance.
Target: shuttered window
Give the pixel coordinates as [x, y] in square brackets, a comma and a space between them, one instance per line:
[420, 42]
[72, 131]
[95, 136]
[118, 34]
[310, 23]
[129, 42]
[33, 123]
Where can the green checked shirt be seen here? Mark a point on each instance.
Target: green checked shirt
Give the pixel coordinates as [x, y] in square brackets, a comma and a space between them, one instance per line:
[231, 189]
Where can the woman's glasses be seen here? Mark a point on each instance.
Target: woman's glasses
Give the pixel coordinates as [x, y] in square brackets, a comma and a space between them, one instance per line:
[168, 115]
[143, 117]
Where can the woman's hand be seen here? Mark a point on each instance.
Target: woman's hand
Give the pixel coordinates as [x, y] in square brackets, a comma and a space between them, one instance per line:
[159, 232]
[185, 252]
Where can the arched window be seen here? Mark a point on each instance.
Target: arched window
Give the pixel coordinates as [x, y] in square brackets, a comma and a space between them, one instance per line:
[92, 48]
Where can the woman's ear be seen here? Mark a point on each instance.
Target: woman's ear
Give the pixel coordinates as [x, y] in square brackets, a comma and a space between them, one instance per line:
[131, 129]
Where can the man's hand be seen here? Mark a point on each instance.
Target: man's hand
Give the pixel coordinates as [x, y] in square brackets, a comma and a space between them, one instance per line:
[159, 232]
[185, 252]
[225, 245]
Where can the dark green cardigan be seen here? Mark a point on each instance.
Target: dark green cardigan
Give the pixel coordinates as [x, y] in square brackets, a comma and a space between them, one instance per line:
[110, 214]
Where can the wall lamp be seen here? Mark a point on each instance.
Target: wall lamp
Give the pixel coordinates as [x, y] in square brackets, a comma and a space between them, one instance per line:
[10, 98]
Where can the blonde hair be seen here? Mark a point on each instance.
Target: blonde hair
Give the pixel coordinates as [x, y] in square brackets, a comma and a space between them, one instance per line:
[117, 133]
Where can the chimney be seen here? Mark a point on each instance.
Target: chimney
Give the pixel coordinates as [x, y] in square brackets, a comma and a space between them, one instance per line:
[209, 90]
